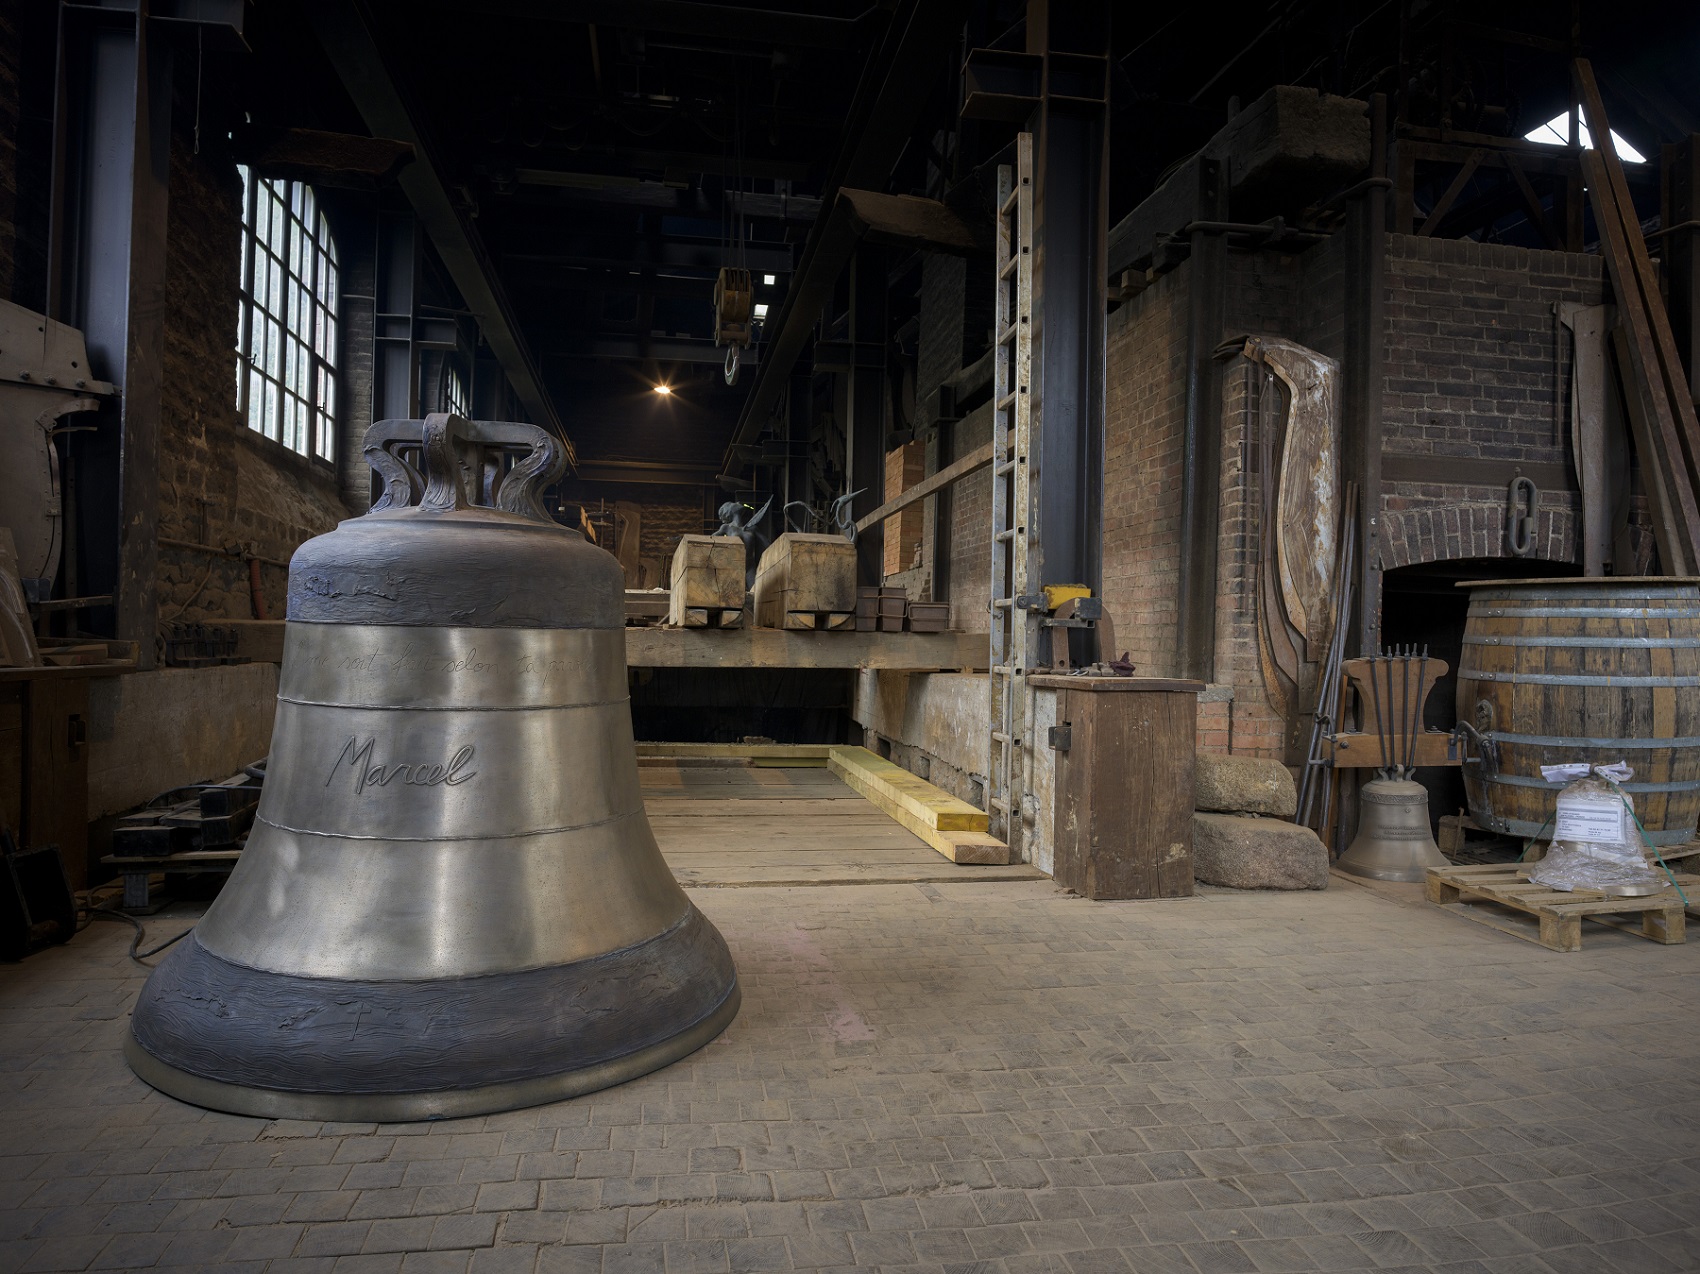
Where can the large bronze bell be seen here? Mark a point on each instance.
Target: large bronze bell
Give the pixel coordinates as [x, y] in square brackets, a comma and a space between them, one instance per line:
[451, 902]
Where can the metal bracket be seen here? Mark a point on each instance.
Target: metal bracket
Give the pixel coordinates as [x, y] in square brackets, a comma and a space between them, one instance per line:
[1060, 737]
[1523, 504]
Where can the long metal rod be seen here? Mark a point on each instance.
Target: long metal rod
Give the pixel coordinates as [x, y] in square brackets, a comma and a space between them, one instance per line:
[1325, 712]
[1405, 708]
[1380, 725]
[1417, 715]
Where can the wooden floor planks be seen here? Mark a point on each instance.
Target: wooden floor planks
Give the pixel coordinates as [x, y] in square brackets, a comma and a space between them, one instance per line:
[745, 826]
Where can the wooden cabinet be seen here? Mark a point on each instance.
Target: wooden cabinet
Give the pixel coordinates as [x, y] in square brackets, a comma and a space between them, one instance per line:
[44, 761]
[1124, 771]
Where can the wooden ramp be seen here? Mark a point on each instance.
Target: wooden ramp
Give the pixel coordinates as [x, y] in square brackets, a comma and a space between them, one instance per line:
[743, 825]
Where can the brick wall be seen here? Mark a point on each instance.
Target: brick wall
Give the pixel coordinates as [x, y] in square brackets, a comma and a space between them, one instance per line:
[1145, 408]
[971, 532]
[1474, 359]
[663, 524]
[220, 483]
[1472, 371]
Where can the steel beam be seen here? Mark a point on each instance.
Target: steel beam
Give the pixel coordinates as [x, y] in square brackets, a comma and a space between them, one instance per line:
[655, 349]
[112, 192]
[653, 472]
[346, 31]
[767, 28]
[634, 253]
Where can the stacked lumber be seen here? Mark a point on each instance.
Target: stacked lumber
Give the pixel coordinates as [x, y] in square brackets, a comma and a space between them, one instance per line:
[1661, 413]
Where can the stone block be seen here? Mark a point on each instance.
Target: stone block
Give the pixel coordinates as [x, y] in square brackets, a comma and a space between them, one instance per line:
[1242, 852]
[1244, 785]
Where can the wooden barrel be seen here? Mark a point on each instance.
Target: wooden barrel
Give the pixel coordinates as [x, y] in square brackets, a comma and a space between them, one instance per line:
[1598, 670]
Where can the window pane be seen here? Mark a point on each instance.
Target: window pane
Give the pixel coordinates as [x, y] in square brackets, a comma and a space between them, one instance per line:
[286, 334]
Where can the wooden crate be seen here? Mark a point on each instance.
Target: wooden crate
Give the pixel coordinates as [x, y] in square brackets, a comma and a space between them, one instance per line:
[1558, 915]
[707, 583]
[929, 617]
[806, 581]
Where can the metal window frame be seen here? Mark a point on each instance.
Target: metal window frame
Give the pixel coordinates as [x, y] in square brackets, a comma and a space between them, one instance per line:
[304, 317]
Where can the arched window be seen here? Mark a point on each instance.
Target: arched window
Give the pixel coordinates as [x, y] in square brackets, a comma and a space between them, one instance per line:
[286, 338]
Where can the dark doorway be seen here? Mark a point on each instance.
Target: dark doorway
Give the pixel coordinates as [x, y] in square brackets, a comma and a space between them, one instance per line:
[1421, 606]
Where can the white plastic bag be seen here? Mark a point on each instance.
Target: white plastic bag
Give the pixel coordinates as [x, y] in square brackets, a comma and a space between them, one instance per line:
[1595, 841]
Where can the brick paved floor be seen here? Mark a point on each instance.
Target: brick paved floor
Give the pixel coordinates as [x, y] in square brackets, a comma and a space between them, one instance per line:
[989, 1078]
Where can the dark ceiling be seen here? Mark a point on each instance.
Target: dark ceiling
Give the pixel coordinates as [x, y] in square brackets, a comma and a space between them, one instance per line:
[613, 154]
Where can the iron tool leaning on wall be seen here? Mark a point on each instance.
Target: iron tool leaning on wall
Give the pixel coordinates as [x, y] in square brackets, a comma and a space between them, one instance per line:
[451, 902]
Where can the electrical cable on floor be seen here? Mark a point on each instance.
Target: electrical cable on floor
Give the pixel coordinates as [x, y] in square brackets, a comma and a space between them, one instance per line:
[108, 913]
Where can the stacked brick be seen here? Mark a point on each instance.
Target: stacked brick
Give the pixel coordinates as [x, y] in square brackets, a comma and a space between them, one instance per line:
[904, 467]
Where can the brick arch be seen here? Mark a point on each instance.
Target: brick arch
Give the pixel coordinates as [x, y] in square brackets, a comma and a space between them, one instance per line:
[1446, 532]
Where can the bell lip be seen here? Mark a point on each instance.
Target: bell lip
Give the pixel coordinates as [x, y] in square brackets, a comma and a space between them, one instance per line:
[461, 1103]
[1398, 875]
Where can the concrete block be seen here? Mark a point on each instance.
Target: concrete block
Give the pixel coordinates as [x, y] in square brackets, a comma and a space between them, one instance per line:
[1256, 853]
[1244, 785]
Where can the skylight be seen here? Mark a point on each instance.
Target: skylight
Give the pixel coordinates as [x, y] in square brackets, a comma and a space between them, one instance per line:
[1556, 132]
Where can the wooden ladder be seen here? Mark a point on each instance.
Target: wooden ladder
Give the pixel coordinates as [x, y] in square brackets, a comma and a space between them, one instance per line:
[1014, 623]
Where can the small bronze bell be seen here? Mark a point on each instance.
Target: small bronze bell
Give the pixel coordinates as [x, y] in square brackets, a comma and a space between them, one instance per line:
[1393, 840]
[451, 902]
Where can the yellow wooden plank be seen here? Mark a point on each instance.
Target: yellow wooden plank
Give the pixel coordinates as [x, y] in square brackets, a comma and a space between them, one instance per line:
[891, 786]
[955, 828]
[969, 847]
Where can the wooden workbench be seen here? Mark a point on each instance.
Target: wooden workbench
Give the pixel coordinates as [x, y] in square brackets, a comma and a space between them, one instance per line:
[782, 648]
[262, 640]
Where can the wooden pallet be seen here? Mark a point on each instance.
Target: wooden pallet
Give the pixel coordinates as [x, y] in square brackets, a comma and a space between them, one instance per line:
[1559, 915]
[707, 617]
[821, 621]
[143, 873]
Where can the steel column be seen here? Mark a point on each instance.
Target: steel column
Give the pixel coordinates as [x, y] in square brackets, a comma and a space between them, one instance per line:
[1070, 219]
[1364, 367]
[865, 405]
[1201, 446]
[395, 357]
[110, 241]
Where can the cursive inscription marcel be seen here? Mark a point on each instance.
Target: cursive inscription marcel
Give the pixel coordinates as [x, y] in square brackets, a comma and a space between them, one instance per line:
[357, 753]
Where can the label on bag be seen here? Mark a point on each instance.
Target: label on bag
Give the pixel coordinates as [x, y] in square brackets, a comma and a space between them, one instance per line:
[1589, 816]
